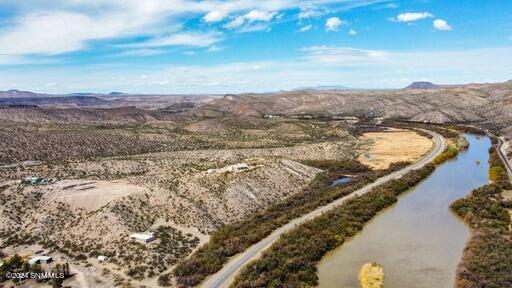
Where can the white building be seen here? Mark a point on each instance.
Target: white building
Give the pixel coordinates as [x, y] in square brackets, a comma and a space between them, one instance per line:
[231, 168]
[239, 167]
[143, 237]
[39, 259]
[102, 258]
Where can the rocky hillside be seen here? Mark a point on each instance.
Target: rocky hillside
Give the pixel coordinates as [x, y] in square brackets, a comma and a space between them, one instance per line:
[466, 103]
[124, 115]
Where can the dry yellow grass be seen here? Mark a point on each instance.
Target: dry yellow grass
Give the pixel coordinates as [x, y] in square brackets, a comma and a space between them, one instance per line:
[385, 148]
[371, 276]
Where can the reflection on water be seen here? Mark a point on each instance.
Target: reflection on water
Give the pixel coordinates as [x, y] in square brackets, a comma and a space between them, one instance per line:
[418, 241]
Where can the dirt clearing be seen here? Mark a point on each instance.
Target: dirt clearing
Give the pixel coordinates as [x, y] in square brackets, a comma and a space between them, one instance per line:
[379, 149]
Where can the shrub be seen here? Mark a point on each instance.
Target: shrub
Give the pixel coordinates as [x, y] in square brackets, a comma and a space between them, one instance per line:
[449, 153]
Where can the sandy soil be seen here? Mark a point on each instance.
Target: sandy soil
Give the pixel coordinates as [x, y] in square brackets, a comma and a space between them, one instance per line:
[379, 149]
[86, 194]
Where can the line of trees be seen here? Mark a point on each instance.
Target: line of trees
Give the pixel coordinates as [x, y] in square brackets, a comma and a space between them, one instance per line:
[291, 261]
[497, 171]
[237, 237]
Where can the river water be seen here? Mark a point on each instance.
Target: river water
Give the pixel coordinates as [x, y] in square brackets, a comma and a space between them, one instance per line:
[418, 241]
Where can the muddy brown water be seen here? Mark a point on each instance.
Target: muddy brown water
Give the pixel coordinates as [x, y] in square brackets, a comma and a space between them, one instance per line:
[418, 241]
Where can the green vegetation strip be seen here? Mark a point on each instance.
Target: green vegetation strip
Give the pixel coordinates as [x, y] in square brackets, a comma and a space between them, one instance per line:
[292, 260]
[449, 153]
[497, 170]
[487, 260]
[237, 237]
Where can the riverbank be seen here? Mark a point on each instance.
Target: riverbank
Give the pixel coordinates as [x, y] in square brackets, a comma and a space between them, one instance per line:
[487, 258]
[418, 241]
[292, 260]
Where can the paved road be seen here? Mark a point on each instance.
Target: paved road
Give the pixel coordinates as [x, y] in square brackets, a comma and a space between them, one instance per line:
[226, 275]
[504, 158]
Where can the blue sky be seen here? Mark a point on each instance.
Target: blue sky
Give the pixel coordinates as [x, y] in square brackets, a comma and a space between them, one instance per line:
[185, 46]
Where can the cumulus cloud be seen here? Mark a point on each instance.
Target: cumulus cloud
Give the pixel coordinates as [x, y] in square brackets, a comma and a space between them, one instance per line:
[251, 17]
[257, 15]
[413, 16]
[334, 23]
[441, 24]
[235, 23]
[306, 28]
[215, 16]
[352, 32]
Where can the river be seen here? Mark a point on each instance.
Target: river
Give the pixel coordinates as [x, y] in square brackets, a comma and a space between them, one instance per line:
[418, 241]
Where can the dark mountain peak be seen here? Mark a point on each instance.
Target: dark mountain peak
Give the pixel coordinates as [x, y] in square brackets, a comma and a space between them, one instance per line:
[422, 85]
[115, 93]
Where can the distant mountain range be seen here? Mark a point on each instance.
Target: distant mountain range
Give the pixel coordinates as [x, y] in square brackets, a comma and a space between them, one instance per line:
[420, 101]
[114, 93]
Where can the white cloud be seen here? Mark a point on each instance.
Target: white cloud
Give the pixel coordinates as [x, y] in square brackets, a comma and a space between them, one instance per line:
[310, 11]
[251, 17]
[55, 33]
[215, 16]
[343, 55]
[334, 23]
[257, 15]
[413, 16]
[189, 53]
[441, 24]
[352, 32]
[306, 28]
[182, 39]
[235, 23]
[54, 27]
